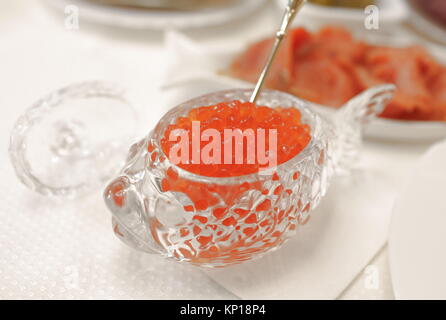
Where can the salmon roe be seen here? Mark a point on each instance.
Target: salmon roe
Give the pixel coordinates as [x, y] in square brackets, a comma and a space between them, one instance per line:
[230, 232]
[292, 135]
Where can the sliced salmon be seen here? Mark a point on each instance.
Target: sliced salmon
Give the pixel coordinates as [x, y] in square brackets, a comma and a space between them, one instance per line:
[250, 63]
[330, 67]
[321, 81]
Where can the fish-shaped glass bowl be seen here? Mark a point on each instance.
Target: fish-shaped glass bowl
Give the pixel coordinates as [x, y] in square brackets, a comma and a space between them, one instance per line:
[159, 207]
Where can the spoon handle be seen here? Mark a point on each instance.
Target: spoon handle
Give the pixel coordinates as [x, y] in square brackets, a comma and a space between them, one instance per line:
[292, 9]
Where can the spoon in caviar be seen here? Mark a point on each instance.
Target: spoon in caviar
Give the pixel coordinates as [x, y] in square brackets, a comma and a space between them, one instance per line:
[291, 11]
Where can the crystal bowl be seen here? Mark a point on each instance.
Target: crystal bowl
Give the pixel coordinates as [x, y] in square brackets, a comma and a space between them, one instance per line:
[158, 207]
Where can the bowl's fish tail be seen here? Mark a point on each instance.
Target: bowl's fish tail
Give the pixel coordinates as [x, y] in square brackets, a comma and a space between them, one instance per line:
[350, 120]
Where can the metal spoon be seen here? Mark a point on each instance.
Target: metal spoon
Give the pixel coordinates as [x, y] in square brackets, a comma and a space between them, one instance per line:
[292, 9]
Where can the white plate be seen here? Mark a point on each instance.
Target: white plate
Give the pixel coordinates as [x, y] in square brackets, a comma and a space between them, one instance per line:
[417, 240]
[398, 130]
[390, 13]
[186, 55]
[425, 26]
[158, 20]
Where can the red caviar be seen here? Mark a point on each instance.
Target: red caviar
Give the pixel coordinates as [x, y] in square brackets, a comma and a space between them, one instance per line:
[292, 135]
[229, 231]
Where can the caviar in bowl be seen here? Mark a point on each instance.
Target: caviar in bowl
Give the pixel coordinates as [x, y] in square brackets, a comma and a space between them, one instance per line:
[213, 216]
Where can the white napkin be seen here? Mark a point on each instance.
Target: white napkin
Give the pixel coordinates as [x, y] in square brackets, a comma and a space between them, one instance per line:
[344, 233]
